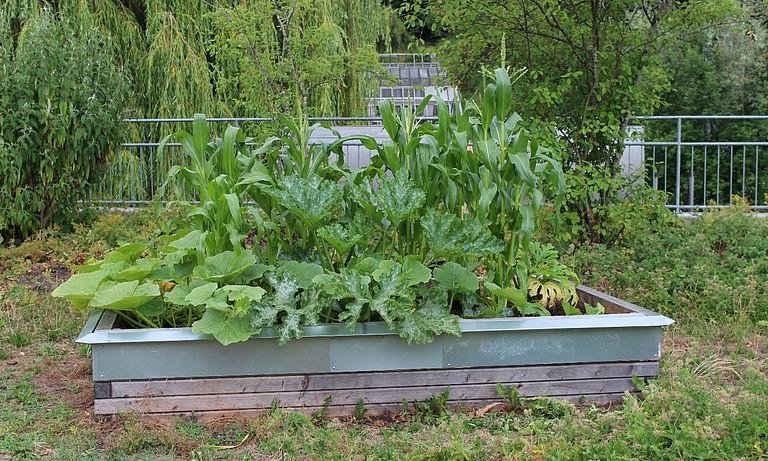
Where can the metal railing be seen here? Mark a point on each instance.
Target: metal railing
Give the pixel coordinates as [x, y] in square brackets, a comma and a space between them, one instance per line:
[695, 175]
[408, 58]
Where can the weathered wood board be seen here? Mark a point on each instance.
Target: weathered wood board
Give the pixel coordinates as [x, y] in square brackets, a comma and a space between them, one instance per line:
[338, 393]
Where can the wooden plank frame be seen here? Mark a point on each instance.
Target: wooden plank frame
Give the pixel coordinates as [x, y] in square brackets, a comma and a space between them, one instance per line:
[166, 373]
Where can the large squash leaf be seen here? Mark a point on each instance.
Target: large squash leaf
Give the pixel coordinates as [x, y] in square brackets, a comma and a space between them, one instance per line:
[342, 237]
[190, 241]
[178, 295]
[356, 289]
[393, 293]
[455, 277]
[227, 323]
[286, 305]
[224, 266]
[239, 292]
[120, 257]
[125, 295]
[447, 235]
[80, 288]
[153, 308]
[201, 295]
[432, 317]
[138, 270]
[415, 273]
[311, 200]
[398, 198]
[224, 326]
[302, 273]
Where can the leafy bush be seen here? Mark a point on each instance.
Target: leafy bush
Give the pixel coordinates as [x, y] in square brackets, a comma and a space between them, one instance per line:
[285, 235]
[60, 106]
[603, 204]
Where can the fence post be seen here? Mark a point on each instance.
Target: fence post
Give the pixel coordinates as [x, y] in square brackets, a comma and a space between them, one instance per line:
[679, 156]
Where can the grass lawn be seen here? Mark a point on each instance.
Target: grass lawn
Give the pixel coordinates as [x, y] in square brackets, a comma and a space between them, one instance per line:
[711, 401]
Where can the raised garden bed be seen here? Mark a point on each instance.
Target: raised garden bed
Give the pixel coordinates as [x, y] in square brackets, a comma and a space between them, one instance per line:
[175, 371]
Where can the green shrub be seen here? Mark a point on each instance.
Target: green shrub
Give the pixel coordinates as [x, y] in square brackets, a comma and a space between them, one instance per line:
[60, 108]
[603, 205]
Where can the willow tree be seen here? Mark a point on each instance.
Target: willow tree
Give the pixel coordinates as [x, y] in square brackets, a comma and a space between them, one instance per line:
[243, 57]
[297, 55]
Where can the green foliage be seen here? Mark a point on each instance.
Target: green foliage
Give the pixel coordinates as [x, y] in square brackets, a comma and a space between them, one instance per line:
[263, 52]
[249, 58]
[397, 198]
[360, 410]
[708, 403]
[281, 237]
[448, 235]
[435, 406]
[311, 200]
[607, 67]
[455, 277]
[511, 396]
[56, 127]
[550, 280]
[717, 70]
[604, 205]
[710, 269]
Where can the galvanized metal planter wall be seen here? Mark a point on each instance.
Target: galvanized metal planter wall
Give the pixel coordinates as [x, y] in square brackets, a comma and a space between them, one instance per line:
[174, 371]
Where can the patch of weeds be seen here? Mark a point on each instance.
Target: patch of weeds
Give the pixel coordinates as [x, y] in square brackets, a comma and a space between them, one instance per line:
[84, 350]
[62, 412]
[360, 409]
[54, 334]
[320, 415]
[23, 392]
[190, 428]
[295, 422]
[137, 438]
[433, 407]
[50, 350]
[19, 339]
[17, 446]
[543, 407]
[511, 396]
[274, 406]
[227, 436]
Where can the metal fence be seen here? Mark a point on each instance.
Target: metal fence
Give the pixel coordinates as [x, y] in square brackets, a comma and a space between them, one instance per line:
[695, 175]
[699, 174]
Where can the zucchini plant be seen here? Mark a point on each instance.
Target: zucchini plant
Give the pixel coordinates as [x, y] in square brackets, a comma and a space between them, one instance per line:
[283, 234]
